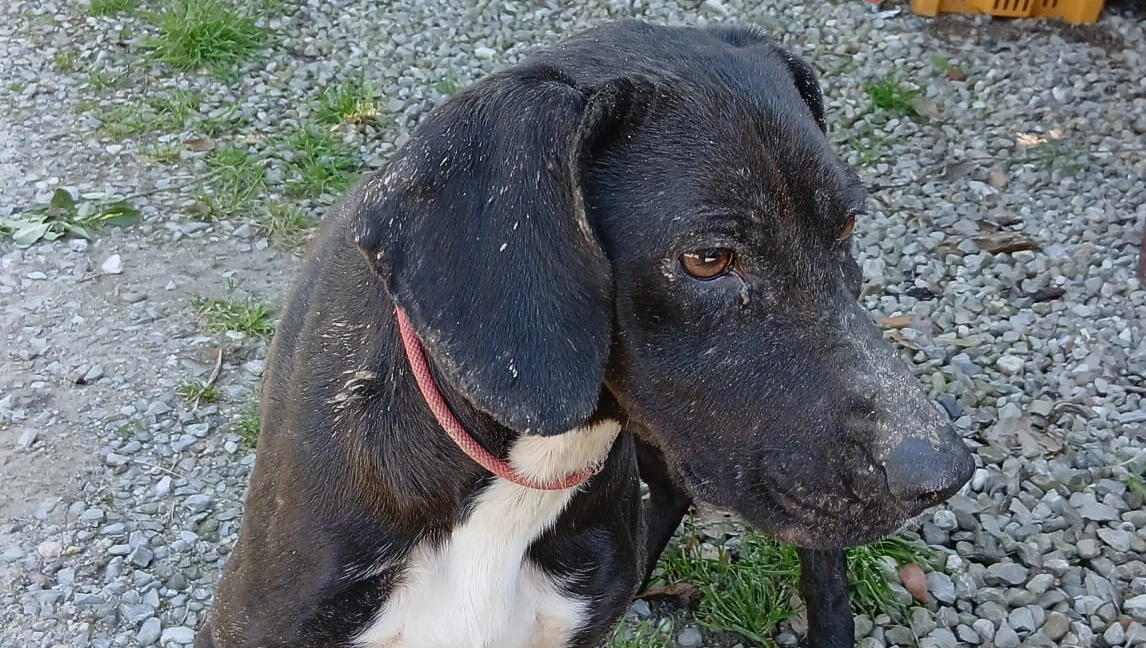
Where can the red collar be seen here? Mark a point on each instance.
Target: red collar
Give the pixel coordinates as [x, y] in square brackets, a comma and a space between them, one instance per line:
[454, 429]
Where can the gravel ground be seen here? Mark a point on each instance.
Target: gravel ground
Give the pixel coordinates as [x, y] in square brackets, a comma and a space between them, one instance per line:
[121, 499]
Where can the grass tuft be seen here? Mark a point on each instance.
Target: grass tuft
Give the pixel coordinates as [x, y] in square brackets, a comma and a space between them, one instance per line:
[448, 84]
[65, 60]
[237, 178]
[320, 162]
[748, 586]
[196, 34]
[891, 95]
[174, 109]
[350, 102]
[233, 314]
[198, 392]
[286, 225]
[645, 634]
[247, 427]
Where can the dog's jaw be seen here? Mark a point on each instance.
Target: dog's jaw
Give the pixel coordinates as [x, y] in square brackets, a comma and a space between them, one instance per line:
[478, 588]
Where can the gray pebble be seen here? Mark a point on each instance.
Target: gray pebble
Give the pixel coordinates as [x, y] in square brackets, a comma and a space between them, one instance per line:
[1005, 637]
[689, 637]
[178, 634]
[1021, 620]
[967, 634]
[197, 503]
[1087, 548]
[27, 438]
[141, 557]
[1056, 625]
[149, 632]
[1114, 635]
[12, 554]
[1117, 539]
[941, 587]
[1005, 574]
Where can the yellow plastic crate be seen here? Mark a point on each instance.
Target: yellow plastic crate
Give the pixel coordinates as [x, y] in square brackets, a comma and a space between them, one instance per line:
[1072, 11]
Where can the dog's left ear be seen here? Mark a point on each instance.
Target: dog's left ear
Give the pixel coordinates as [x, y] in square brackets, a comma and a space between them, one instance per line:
[807, 85]
[478, 229]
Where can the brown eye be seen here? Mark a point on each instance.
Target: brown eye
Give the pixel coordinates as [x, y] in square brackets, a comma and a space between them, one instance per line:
[846, 230]
[706, 264]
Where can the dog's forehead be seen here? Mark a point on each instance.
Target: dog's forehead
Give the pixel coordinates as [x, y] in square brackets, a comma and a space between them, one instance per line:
[718, 160]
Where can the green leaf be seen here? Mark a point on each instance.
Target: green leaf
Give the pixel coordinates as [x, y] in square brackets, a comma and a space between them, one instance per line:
[76, 229]
[30, 233]
[61, 199]
[120, 214]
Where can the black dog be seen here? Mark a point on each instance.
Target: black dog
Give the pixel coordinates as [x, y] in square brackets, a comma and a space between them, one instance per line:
[640, 227]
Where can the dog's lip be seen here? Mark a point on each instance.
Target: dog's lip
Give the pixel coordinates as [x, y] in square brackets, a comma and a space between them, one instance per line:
[800, 520]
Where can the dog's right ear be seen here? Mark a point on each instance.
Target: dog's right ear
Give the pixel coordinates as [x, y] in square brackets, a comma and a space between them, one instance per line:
[478, 229]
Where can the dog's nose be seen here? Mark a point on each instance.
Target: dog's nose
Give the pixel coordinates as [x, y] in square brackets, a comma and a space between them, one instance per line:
[922, 472]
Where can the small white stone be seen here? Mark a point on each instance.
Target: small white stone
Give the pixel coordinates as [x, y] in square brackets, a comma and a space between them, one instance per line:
[484, 52]
[49, 549]
[113, 265]
[1009, 364]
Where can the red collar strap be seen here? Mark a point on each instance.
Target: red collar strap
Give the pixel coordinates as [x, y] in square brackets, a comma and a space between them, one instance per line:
[463, 439]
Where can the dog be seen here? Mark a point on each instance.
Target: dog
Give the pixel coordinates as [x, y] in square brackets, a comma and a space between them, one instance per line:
[640, 233]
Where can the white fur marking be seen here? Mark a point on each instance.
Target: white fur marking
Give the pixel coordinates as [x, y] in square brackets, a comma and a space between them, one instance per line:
[478, 590]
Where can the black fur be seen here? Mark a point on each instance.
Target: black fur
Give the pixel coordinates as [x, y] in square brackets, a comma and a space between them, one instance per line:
[532, 229]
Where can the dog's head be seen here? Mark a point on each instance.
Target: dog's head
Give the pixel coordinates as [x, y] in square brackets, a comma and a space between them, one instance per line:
[653, 217]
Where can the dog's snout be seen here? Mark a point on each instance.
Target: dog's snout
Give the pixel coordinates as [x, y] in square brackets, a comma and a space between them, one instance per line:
[923, 472]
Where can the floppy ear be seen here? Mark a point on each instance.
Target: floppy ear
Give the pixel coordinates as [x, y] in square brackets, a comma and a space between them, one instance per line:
[478, 230]
[807, 85]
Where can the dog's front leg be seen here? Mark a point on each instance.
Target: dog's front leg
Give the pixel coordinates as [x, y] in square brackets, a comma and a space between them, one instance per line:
[824, 586]
[667, 504]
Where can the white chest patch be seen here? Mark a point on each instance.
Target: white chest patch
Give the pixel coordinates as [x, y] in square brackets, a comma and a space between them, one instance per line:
[478, 589]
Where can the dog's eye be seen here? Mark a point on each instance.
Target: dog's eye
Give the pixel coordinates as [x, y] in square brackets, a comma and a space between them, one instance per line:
[707, 264]
[846, 230]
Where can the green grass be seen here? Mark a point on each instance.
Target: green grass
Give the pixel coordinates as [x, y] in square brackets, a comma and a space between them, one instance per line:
[285, 225]
[320, 162]
[247, 427]
[867, 150]
[121, 120]
[162, 152]
[112, 7]
[211, 34]
[747, 589]
[245, 316]
[104, 80]
[872, 567]
[1135, 484]
[1052, 154]
[174, 109]
[65, 60]
[237, 179]
[353, 101]
[198, 392]
[448, 84]
[171, 111]
[644, 634]
[891, 95]
[939, 62]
